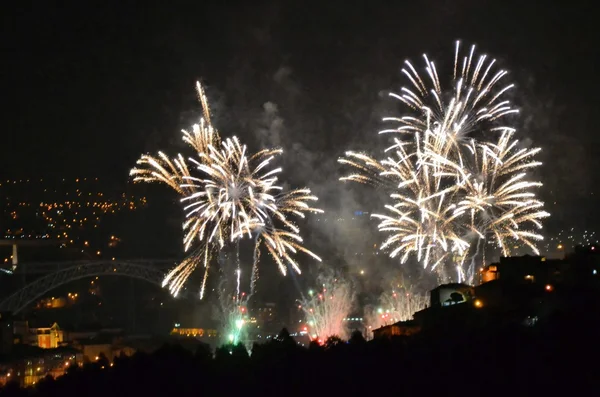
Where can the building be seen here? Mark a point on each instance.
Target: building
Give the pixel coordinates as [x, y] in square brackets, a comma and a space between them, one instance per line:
[194, 332]
[32, 353]
[577, 267]
[45, 337]
[104, 345]
[401, 328]
[51, 303]
[27, 365]
[455, 308]
[452, 306]
[266, 318]
[48, 337]
[527, 268]
[520, 290]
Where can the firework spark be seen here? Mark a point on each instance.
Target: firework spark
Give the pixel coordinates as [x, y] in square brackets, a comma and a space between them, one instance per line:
[233, 312]
[399, 303]
[456, 174]
[326, 308]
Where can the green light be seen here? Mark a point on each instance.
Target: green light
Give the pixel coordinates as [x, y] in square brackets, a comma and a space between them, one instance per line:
[239, 323]
[231, 337]
[380, 310]
[310, 292]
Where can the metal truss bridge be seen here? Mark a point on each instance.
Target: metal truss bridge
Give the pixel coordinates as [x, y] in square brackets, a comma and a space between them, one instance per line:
[56, 274]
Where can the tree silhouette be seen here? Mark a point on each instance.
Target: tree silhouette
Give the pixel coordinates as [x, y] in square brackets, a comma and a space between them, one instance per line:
[357, 338]
[240, 353]
[333, 341]
[102, 360]
[285, 339]
[203, 353]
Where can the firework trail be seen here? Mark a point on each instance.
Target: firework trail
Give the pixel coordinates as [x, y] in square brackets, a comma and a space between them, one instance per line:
[174, 173]
[232, 312]
[326, 308]
[456, 174]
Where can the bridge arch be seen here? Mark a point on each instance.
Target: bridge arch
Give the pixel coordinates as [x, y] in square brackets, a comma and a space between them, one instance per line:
[26, 295]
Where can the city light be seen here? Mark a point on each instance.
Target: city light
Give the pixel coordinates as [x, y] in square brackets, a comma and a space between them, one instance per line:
[64, 210]
[478, 304]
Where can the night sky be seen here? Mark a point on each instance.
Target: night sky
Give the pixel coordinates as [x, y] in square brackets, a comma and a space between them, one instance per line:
[88, 86]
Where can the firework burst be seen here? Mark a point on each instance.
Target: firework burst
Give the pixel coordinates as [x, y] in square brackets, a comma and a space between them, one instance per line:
[473, 105]
[228, 194]
[456, 174]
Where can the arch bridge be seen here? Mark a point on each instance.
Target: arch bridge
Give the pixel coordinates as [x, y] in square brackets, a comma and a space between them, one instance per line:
[150, 271]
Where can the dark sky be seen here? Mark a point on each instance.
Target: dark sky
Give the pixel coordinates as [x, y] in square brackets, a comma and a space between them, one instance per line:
[87, 86]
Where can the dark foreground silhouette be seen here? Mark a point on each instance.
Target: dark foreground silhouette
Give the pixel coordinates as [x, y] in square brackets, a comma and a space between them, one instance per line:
[556, 356]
